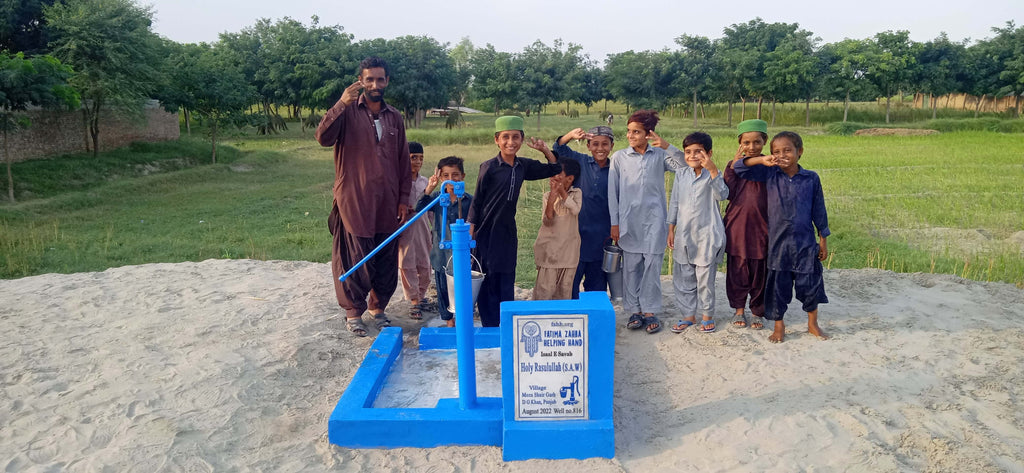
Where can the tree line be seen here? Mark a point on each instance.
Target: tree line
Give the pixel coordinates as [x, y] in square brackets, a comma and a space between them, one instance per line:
[106, 54]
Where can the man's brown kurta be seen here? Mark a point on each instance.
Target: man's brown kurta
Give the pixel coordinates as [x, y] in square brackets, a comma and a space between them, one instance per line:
[371, 178]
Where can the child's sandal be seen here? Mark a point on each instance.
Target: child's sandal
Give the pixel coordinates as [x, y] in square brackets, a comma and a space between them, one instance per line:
[740, 321]
[757, 323]
[635, 321]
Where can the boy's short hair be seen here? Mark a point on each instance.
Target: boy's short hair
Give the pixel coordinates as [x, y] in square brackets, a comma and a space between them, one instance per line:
[451, 161]
[415, 148]
[764, 137]
[646, 118]
[792, 136]
[373, 62]
[571, 168]
[698, 138]
[521, 133]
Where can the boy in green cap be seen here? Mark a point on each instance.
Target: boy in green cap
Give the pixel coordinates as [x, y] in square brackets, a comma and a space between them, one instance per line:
[746, 230]
[493, 213]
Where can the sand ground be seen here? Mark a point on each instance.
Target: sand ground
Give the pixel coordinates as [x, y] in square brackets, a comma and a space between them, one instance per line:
[236, 365]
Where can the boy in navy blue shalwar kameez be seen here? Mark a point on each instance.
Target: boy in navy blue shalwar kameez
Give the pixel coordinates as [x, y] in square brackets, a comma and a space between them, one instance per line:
[796, 206]
[595, 222]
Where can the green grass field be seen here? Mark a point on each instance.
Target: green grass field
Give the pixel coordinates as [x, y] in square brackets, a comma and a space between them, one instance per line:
[948, 203]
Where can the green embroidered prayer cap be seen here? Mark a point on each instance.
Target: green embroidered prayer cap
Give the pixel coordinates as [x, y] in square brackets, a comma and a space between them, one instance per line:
[508, 122]
[752, 125]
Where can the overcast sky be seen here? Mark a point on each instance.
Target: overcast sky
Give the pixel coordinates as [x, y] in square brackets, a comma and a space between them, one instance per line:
[602, 27]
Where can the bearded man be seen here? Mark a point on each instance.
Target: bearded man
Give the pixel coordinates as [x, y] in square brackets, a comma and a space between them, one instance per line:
[371, 192]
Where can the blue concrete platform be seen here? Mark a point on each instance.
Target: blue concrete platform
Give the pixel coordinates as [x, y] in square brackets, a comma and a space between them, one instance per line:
[356, 424]
[528, 434]
[443, 338]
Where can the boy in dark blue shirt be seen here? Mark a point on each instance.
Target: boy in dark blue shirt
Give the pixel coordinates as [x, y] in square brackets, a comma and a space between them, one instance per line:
[796, 206]
[448, 169]
[595, 223]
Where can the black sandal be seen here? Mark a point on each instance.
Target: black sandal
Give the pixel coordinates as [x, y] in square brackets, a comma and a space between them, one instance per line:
[381, 321]
[356, 326]
[652, 320]
[635, 321]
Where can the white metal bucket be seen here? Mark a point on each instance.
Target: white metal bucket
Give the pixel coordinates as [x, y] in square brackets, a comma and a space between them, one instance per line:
[476, 279]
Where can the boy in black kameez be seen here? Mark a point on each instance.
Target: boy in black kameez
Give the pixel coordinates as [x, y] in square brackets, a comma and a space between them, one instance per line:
[493, 214]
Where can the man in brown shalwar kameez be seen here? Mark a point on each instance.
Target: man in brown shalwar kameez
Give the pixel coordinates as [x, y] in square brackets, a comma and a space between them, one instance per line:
[371, 192]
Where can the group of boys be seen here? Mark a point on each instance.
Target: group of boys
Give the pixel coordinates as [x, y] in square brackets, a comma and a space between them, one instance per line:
[768, 229]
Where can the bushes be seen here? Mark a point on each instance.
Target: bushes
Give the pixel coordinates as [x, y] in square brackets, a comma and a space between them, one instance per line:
[944, 125]
[977, 124]
[845, 128]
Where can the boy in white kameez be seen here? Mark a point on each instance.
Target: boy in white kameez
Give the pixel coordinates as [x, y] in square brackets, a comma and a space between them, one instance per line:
[636, 204]
[696, 233]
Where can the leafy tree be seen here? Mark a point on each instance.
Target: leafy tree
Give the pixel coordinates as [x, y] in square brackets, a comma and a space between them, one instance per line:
[591, 87]
[648, 79]
[698, 68]
[750, 44]
[22, 26]
[942, 68]
[40, 81]
[1009, 52]
[546, 72]
[294, 62]
[731, 71]
[493, 77]
[791, 71]
[176, 91]
[112, 50]
[263, 55]
[895, 64]
[462, 60]
[330, 67]
[219, 91]
[850, 68]
[982, 78]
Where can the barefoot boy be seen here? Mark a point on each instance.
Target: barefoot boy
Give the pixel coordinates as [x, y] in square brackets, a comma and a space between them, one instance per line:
[696, 233]
[746, 230]
[493, 214]
[448, 169]
[796, 206]
[557, 249]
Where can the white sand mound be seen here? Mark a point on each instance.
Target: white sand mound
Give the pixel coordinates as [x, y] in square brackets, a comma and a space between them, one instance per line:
[236, 365]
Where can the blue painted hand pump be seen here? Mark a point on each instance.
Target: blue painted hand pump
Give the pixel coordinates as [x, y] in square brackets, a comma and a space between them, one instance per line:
[460, 244]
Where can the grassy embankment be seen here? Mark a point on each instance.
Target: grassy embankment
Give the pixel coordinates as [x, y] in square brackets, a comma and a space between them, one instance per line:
[948, 203]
